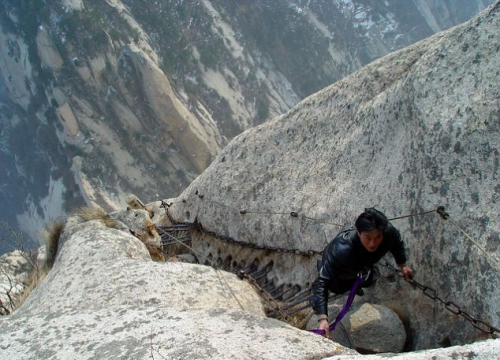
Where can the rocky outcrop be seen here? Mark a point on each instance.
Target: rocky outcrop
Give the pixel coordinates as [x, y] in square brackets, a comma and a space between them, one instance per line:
[102, 99]
[105, 298]
[14, 270]
[409, 132]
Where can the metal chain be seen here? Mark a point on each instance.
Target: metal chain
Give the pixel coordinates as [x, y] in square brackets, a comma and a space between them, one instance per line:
[270, 300]
[427, 290]
[448, 305]
[232, 241]
[166, 206]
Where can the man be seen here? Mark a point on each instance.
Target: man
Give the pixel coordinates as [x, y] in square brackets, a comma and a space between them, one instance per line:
[354, 251]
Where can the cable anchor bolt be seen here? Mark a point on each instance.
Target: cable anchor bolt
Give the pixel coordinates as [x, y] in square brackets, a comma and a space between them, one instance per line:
[440, 210]
[241, 274]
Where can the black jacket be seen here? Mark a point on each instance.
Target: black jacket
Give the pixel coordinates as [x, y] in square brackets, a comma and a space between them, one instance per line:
[344, 257]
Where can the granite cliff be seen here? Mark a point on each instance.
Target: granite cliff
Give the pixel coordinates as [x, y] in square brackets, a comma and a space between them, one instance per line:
[103, 98]
[411, 131]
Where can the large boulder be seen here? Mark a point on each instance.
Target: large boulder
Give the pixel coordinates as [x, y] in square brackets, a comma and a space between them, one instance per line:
[416, 129]
[375, 329]
[104, 298]
[367, 328]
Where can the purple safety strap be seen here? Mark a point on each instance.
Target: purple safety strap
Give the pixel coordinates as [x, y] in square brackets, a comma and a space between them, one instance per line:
[345, 309]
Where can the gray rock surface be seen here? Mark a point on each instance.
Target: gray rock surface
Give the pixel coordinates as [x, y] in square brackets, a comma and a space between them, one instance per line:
[139, 223]
[187, 258]
[367, 328]
[411, 131]
[14, 269]
[105, 298]
[375, 329]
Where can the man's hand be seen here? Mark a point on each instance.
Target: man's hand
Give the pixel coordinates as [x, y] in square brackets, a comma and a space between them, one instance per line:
[323, 325]
[407, 272]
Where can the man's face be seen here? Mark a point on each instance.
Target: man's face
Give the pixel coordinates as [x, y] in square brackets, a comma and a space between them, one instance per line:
[371, 239]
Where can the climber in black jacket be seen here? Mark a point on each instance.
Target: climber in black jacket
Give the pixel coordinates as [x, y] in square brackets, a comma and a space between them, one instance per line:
[354, 251]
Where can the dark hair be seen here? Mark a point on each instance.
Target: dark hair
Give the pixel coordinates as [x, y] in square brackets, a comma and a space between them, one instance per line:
[370, 220]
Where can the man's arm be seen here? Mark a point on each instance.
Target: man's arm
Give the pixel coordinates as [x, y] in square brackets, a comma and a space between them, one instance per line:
[320, 302]
[399, 253]
[407, 271]
[320, 288]
[397, 245]
[332, 257]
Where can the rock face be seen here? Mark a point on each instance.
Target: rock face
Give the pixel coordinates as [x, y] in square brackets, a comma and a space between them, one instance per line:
[14, 269]
[106, 98]
[414, 130]
[105, 298]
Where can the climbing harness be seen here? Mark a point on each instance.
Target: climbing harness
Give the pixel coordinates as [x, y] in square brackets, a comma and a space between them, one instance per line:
[352, 294]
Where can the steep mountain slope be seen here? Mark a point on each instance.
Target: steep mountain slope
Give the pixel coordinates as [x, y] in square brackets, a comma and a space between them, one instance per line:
[103, 98]
[410, 132]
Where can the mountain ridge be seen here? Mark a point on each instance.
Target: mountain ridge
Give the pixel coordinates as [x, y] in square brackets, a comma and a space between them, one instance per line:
[80, 123]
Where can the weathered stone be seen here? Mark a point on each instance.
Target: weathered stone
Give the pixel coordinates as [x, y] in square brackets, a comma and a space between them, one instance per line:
[105, 298]
[139, 224]
[14, 269]
[367, 328]
[340, 334]
[47, 51]
[187, 258]
[375, 329]
[74, 5]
